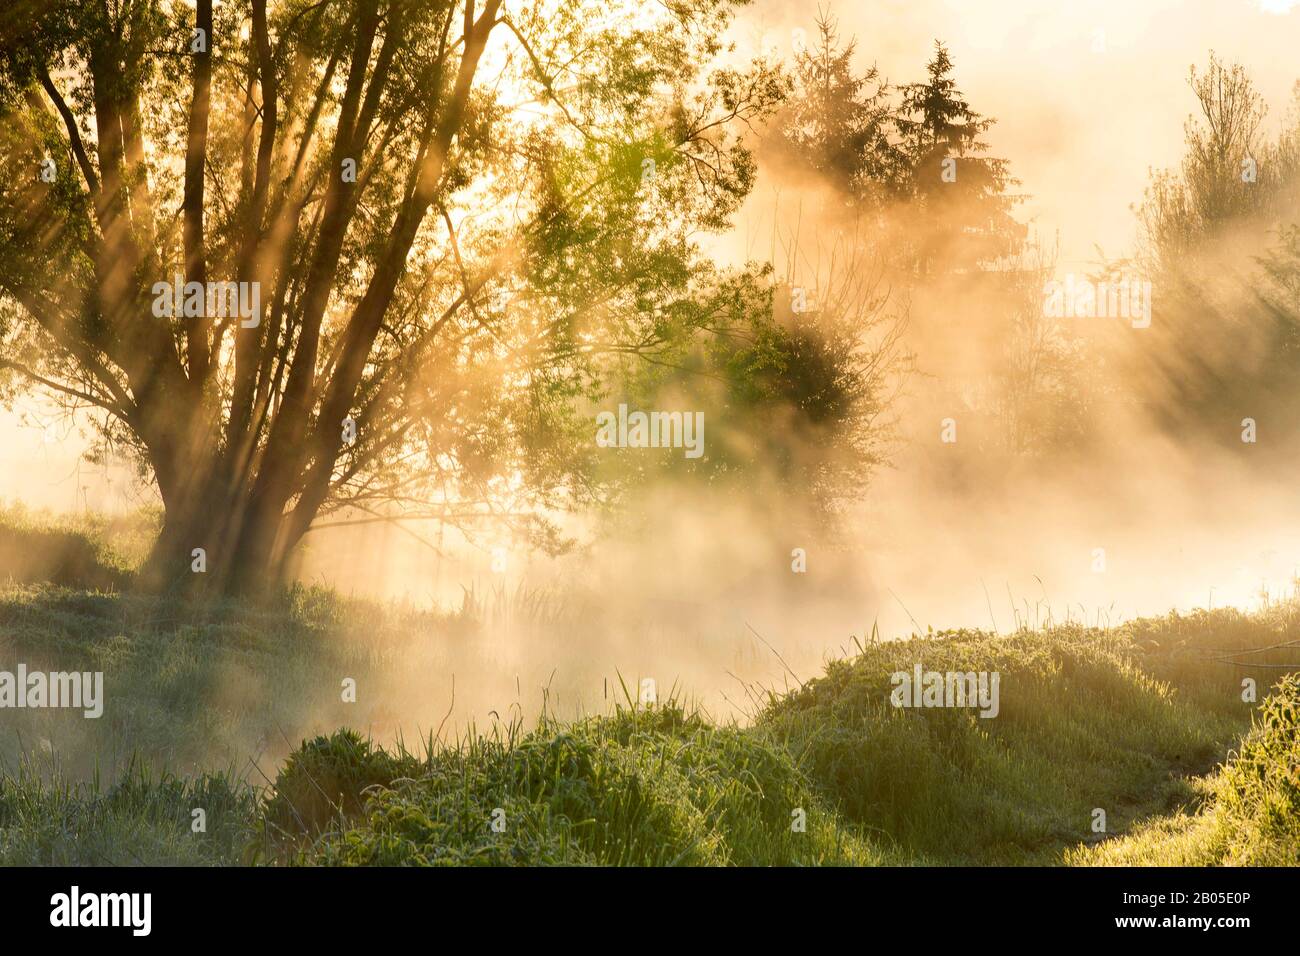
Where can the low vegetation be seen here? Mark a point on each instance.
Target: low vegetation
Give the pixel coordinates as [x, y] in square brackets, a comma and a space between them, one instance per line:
[1138, 721]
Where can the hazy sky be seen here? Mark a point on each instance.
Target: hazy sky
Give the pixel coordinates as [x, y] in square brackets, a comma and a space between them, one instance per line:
[41, 464]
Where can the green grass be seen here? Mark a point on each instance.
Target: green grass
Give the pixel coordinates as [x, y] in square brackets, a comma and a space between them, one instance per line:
[641, 787]
[1089, 720]
[193, 689]
[1251, 807]
[235, 711]
[38, 547]
[1132, 720]
[142, 820]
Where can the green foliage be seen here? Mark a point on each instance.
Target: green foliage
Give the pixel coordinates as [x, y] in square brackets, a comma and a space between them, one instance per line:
[839, 122]
[1126, 711]
[962, 223]
[47, 820]
[789, 398]
[87, 551]
[1123, 719]
[646, 787]
[660, 786]
[885, 148]
[327, 778]
[1218, 244]
[1251, 807]
[426, 825]
[196, 686]
[499, 250]
[1259, 795]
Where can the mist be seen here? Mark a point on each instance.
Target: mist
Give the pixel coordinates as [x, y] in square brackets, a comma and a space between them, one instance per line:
[697, 586]
[1137, 522]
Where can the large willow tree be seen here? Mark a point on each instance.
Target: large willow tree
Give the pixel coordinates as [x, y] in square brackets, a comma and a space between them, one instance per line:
[445, 213]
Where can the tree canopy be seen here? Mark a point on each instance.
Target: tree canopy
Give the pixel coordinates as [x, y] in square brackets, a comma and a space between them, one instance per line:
[406, 235]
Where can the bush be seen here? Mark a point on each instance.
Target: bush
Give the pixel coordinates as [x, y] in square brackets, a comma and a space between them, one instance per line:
[327, 778]
[643, 787]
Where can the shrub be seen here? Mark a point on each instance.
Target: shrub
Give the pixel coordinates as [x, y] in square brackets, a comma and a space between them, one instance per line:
[328, 777]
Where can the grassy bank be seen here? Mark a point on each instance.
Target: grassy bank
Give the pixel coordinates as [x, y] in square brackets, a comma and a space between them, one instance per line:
[1250, 809]
[1136, 722]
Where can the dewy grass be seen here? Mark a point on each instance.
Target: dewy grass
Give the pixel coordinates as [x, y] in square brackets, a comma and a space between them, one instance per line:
[1251, 811]
[1130, 721]
[47, 820]
[73, 550]
[1082, 726]
[651, 786]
